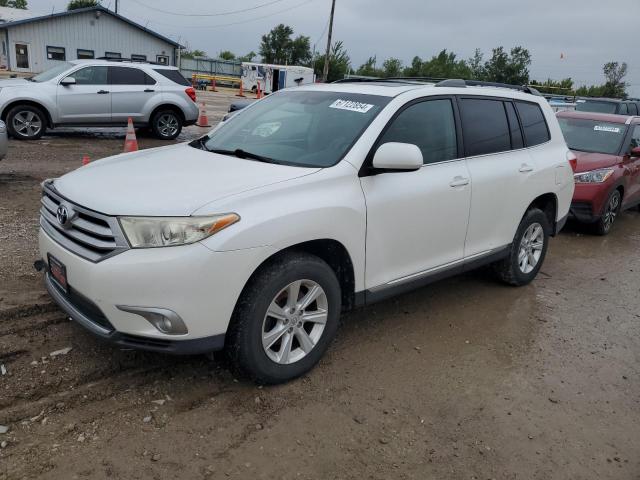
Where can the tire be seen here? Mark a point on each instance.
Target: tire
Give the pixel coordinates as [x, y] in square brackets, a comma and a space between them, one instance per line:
[257, 341]
[26, 122]
[166, 124]
[611, 210]
[517, 270]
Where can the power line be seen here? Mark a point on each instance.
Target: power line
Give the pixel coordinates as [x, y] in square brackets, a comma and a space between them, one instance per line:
[220, 14]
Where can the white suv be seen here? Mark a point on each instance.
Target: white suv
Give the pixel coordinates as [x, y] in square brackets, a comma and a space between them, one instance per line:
[99, 93]
[310, 202]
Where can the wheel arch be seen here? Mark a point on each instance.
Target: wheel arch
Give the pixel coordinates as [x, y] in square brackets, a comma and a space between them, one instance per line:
[548, 203]
[167, 106]
[15, 103]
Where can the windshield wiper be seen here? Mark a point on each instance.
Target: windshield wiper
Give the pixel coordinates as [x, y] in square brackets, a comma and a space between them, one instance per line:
[238, 152]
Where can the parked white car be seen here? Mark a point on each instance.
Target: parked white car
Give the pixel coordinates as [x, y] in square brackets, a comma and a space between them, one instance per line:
[313, 201]
[99, 93]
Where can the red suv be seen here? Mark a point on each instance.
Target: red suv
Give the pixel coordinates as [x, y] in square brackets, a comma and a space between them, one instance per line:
[607, 173]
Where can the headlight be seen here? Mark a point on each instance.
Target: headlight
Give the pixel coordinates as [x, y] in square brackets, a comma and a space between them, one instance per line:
[150, 232]
[594, 176]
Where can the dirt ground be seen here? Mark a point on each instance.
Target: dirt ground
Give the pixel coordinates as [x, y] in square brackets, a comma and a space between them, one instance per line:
[465, 379]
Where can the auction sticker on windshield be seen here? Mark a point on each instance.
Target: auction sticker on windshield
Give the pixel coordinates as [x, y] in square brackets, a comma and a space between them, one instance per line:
[600, 128]
[351, 106]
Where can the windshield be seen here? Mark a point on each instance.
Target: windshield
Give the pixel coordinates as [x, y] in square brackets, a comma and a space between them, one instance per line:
[52, 72]
[592, 136]
[596, 106]
[300, 128]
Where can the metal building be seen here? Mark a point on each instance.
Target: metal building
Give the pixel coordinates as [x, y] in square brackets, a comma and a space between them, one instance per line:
[38, 43]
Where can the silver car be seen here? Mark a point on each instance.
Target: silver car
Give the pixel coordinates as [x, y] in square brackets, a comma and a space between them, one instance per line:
[3, 140]
[99, 93]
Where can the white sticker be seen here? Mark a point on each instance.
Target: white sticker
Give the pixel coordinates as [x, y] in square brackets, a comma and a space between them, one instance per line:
[599, 128]
[351, 106]
[581, 101]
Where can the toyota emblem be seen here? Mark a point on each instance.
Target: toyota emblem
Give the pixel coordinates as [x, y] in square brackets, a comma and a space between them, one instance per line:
[62, 215]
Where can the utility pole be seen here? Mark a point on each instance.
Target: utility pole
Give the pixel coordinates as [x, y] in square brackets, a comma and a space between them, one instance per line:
[117, 2]
[325, 72]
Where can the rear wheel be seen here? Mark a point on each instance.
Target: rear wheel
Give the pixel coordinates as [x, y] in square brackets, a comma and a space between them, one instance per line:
[611, 209]
[528, 250]
[166, 124]
[286, 318]
[26, 122]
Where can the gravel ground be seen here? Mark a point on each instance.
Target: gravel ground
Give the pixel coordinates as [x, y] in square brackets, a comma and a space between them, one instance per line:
[465, 379]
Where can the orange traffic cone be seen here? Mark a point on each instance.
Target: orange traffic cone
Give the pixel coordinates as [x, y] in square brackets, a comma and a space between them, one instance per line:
[258, 91]
[203, 120]
[130, 141]
[240, 90]
[85, 160]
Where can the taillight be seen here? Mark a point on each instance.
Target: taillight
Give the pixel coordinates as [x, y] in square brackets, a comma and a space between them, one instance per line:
[573, 161]
[191, 93]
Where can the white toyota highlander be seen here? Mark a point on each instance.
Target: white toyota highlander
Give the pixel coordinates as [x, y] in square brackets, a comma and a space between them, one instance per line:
[310, 202]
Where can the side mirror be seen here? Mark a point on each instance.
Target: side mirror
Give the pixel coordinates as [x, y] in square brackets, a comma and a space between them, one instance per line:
[68, 81]
[398, 156]
[635, 152]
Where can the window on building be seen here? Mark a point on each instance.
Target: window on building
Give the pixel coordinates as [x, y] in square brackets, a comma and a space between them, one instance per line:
[431, 126]
[162, 59]
[56, 53]
[90, 76]
[484, 126]
[533, 123]
[138, 58]
[85, 54]
[129, 76]
[112, 55]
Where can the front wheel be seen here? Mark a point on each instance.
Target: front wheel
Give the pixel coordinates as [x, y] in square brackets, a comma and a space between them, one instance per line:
[26, 122]
[528, 250]
[286, 318]
[166, 125]
[611, 209]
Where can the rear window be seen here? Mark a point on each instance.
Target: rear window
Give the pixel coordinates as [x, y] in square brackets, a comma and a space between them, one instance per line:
[593, 136]
[484, 126]
[533, 123]
[596, 106]
[173, 75]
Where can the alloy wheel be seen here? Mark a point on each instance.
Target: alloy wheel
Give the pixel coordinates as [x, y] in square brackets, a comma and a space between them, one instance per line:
[27, 123]
[167, 125]
[611, 211]
[531, 246]
[294, 322]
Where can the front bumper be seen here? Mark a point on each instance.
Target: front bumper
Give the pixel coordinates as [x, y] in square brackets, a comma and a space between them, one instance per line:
[200, 285]
[589, 200]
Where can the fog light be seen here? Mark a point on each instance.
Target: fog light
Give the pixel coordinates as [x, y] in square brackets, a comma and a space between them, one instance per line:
[164, 320]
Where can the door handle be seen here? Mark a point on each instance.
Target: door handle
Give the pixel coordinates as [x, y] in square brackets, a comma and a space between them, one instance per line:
[459, 181]
[149, 90]
[102, 92]
[525, 168]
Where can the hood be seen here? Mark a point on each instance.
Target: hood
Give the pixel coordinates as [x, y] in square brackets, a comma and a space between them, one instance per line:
[592, 161]
[167, 181]
[14, 82]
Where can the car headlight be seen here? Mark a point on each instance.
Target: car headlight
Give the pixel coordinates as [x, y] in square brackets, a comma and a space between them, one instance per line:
[150, 232]
[594, 176]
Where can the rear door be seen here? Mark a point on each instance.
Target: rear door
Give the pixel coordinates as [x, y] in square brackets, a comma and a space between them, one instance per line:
[131, 89]
[501, 170]
[88, 101]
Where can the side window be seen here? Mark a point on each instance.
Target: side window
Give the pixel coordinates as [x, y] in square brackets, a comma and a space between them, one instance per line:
[90, 76]
[126, 76]
[514, 126]
[635, 138]
[430, 125]
[533, 123]
[484, 126]
[148, 80]
[633, 109]
[623, 110]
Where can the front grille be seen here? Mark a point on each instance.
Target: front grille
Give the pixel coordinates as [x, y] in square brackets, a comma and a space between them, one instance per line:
[86, 233]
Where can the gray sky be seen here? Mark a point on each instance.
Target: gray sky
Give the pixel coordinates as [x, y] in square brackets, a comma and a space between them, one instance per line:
[588, 33]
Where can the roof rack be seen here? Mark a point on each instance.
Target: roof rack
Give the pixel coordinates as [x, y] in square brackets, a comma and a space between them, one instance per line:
[455, 82]
[132, 60]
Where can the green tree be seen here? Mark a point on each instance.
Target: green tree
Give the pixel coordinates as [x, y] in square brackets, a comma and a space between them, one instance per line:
[614, 86]
[368, 68]
[21, 4]
[561, 87]
[512, 67]
[392, 67]
[339, 63]
[415, 69]
[76, 4]
[445, 65]
[227, 55]
[248, 57]
[278, 47]
[475, 65]
[193, 53]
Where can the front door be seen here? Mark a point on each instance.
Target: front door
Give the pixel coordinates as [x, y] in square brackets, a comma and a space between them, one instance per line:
[131, 89]
[23, 61]
[88, 101]
[417, 221]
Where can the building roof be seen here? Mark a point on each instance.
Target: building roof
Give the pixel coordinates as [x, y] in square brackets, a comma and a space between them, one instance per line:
[98, 8]
[8, 14]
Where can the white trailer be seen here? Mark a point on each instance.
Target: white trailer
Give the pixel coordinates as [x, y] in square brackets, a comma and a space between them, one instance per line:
[274, 77]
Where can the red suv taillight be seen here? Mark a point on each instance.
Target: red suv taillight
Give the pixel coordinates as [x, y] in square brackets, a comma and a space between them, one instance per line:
[573, 161]
[191, 93]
